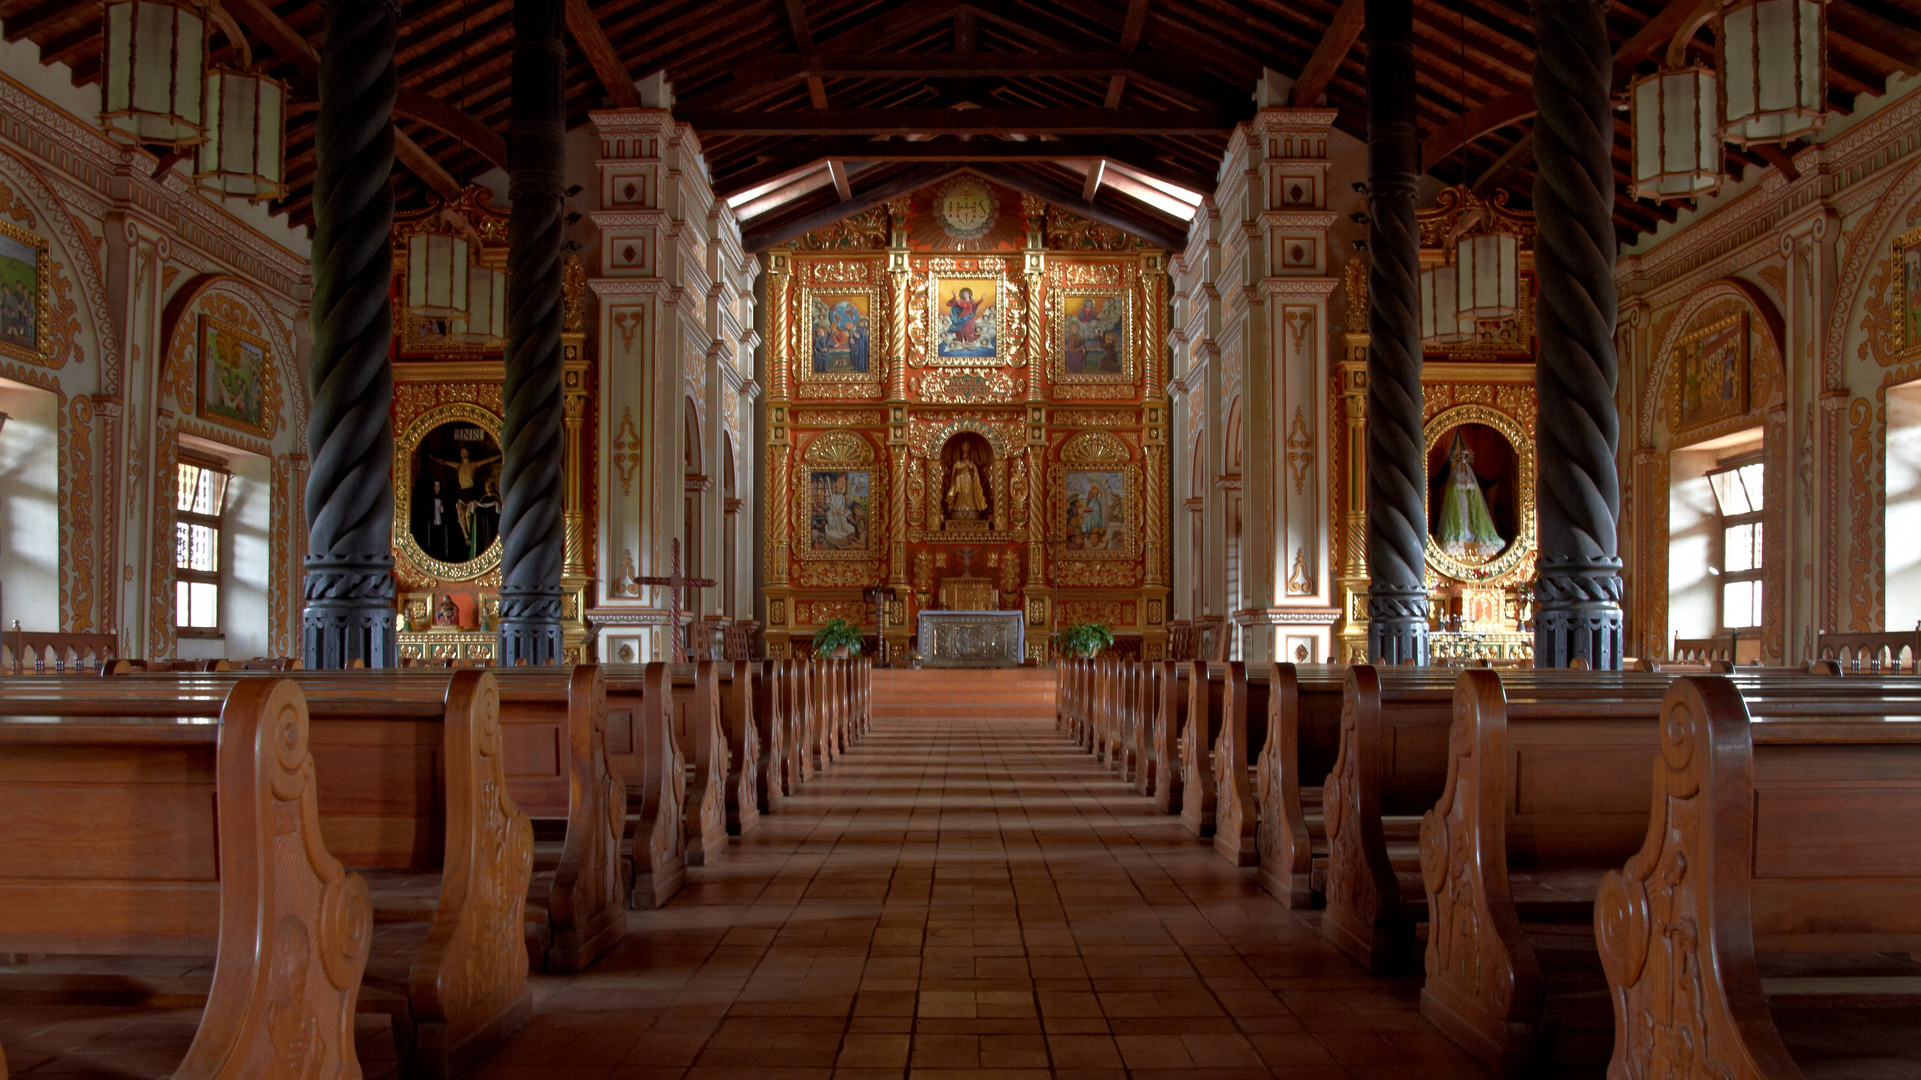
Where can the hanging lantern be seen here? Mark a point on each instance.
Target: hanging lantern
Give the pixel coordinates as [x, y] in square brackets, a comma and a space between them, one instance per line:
[1677, 144]
[246, 135]
[437, 276]
[153, 55]
[1441, 324]
[1772, 55]
[486, 321]
[1488, 275]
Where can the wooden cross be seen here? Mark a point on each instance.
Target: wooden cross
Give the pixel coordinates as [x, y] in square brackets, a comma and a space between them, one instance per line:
[676, 581]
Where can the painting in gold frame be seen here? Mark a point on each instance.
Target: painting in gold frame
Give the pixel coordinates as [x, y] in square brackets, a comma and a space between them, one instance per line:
[1907, 284]
[24, 282]
[840, 511]
[1093, 335]
[457, 540]
[236, 373]
[965, 320]
[842, 335]
[1713, 373]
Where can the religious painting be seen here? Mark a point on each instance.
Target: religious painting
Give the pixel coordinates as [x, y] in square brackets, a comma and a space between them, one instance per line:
[966, 319]
[447, 491]
[841, 334]
[1480, 494]
[966, 207]
[1097, 512]
[836, 508]
[23, 294]
[1092, 336]
[233, 377]
[1907, 252]
[1714, 373]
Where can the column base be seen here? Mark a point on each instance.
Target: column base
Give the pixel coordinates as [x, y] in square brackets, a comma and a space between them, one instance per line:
[1397, 627]
[349, 614]
[530, 630]
[1577, 615]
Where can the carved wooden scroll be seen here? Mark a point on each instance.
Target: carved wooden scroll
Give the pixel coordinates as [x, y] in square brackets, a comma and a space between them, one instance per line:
[1235, 814]
[743, 749]
[1364, 917]
[1286, 847]
[1204, 692]
[659, 842]
[1146, 765]
[468, 986]
[800, 720]
[588, 901]
[294, 925]
[1170, 717]
[697, 729]
[770, 720]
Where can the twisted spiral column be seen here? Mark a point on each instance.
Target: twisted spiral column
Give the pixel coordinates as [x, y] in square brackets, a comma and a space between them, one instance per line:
[1578, 597]
[533, 535]
[349, 591]
[1396, 459]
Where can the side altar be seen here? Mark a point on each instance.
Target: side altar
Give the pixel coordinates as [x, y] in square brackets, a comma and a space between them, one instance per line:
[972, 639]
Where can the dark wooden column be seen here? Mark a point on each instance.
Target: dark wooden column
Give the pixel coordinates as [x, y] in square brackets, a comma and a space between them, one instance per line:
[1396, 458]
[349, 612]
[1578, 597]
[533, 535]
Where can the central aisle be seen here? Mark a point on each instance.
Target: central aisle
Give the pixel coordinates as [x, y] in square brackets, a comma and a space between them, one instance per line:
[972, 894]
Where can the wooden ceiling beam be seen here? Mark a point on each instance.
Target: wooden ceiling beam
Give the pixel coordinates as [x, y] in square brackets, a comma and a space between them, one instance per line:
[761, 236]
[1170, 234]
[1342, 32]
[1474, 123]
[1899, 44]
[35, 21]
[1131, 28]
[585, 26]
[1128, 152]
[965, 122]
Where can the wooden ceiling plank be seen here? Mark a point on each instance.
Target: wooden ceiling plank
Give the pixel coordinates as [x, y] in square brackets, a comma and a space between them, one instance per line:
[286, 42]
[1898, 44]
[588, 34]
[1131, 28]
[1328, 56]
[31, 23]
[1128, 152]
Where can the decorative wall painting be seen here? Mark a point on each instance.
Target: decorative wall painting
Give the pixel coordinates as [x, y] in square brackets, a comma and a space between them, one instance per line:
[841, 334]
[839, 512]
[1907, 251]
[1714, 373]
[23, 316]
[965, 319]
[234, 375]
[1097, 511]
[1093, 338]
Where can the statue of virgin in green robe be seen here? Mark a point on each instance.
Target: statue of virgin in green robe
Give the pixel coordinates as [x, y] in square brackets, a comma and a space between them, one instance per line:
[1466, 530]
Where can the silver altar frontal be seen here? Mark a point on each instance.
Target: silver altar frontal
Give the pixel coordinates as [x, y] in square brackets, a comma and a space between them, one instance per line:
[972, 638]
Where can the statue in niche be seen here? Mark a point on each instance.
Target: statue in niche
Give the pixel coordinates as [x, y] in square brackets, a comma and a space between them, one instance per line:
[1466, 530]
[966, 495]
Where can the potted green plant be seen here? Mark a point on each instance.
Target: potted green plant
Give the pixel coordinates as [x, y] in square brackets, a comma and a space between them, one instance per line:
[1084, 641]
[839, 639]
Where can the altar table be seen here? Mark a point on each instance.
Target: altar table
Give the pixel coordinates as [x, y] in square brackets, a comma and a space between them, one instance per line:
[972, 638]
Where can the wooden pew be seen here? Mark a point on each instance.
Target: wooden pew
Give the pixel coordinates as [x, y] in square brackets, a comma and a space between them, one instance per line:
[741, 787]
[1781, 855]
[1205, 688]
[643, 749]
[28, 652]
[1170, 718]
[770, 716]
[697, 727]
[1242, 735]
[1873, 651]
[113, 846]
[414, 793]
[800, 725]
[1303, 741]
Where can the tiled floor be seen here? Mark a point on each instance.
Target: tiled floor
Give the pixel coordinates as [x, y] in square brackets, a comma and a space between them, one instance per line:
[954, 898]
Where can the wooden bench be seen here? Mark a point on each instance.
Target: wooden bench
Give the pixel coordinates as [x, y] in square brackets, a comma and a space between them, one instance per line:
[114, 846]
[1303, 742]
[695, 722]
[770, 715]
[1170, 718]
[1776, 901]
[1873, 651]
[28, 652]
[1242, 732]
[800, 725]
[414, 793]
[740, 727]
[641, 744]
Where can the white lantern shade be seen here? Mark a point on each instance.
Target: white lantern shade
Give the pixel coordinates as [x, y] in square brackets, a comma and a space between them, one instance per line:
[1440, 322]
[1488, 274]
[437, 276]
[1677, 143]
[153, 80]
[1772, 55]
[246, 133]
[486, 321]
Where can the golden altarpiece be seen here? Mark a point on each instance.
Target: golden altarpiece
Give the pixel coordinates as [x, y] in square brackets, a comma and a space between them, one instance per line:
[447, 449]
[1479, 411]
[965, 411]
